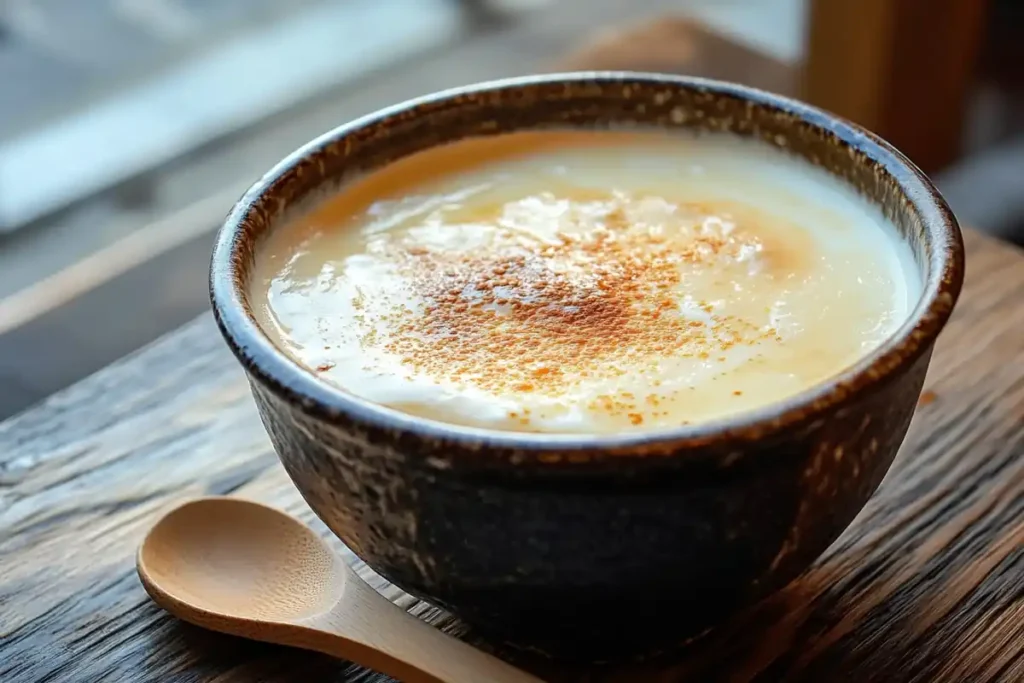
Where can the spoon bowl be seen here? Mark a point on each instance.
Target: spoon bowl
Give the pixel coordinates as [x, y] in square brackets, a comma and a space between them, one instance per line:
[242, 560]
[242, 568]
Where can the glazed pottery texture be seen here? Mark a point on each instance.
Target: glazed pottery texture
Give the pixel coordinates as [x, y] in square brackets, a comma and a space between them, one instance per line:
[592, 547]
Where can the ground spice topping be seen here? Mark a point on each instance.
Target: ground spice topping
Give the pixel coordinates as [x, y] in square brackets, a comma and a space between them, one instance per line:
[526, 313]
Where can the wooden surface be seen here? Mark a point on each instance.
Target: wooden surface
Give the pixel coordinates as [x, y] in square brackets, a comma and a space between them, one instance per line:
[903, 68]
[927, 585]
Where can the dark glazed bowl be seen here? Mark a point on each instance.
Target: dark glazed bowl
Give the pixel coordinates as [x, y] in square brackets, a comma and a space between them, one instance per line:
[592, 547]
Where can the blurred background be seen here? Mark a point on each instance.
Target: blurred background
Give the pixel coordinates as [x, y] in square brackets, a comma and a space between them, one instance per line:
[128, 127]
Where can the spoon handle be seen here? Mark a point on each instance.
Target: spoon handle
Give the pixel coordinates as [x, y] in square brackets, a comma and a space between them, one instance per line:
[368, 629]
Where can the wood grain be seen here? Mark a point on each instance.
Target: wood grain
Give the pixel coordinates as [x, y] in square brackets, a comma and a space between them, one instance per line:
[927, 585]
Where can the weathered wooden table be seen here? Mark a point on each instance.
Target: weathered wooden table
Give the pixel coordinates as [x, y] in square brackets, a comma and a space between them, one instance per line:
[927, 585]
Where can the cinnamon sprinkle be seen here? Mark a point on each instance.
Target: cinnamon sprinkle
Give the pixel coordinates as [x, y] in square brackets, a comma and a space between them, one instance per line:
[533, 315]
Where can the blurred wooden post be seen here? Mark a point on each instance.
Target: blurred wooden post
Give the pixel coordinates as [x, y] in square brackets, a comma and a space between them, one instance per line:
[902, 68]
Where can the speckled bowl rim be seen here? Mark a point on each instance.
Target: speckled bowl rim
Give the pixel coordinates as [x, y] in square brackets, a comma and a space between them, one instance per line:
[297, 385]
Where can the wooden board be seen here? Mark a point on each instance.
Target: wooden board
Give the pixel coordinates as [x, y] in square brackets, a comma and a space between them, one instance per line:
[927, 585]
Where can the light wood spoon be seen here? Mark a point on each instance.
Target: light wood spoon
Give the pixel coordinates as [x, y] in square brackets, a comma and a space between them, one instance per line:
[242, 568]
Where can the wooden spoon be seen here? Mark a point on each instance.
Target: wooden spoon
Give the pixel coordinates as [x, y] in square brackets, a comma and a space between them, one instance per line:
[252, 571]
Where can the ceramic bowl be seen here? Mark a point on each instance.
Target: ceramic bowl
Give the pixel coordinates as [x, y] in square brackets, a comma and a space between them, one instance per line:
[592, 547]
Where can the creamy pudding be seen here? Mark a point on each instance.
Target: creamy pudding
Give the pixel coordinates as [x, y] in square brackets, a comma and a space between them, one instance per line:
[584, 282]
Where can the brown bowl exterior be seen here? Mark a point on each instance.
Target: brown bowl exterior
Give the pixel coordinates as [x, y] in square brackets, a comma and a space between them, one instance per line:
[592, 547]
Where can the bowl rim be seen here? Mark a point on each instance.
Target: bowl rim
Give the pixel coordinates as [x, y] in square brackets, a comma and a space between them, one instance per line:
[260, 357]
